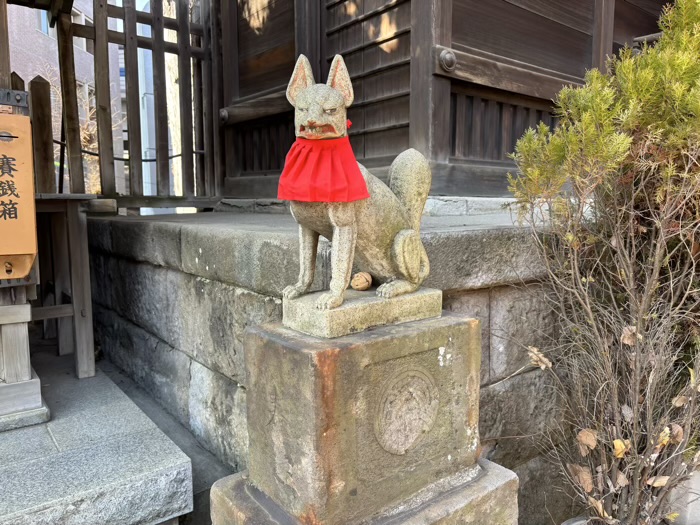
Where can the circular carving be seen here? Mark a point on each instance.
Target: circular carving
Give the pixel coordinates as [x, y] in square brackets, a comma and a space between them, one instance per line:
[407, 409]
[448, 60]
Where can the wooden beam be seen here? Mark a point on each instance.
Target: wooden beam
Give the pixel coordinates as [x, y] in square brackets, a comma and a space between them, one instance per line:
[431, 25]
[307, 32]
[268, 105]
[489, 72]
[80, 291]
[167, 202]
[15, 313]
[61, 282]
[59, 311]
[133, 99]
[103, 99]
[185, 84]
[14, 340]
[207, 104]
[145, 18]
[71, 117]
[5, 68]
[42, 135]
[218, 174]
[160, 102]
[603, 29]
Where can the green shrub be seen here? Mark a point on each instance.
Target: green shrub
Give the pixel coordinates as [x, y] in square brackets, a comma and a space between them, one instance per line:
[613, 195]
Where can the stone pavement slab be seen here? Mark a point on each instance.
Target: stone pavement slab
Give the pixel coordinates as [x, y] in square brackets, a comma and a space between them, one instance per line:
[99, 461]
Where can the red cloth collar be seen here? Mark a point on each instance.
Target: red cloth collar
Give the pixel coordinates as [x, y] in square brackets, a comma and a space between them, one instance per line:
[322, 171]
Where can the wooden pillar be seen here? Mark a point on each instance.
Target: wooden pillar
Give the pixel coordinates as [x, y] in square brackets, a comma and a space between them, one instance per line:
[5, 69]
[42, 136]
[603, 28]
[71, 116]
[431, 25]
[103, 99]
[80, 293]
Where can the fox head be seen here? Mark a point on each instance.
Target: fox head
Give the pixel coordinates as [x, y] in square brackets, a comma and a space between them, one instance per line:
[320, 109]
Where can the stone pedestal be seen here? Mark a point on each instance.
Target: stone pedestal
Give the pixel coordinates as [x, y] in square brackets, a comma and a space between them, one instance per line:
[374, 427]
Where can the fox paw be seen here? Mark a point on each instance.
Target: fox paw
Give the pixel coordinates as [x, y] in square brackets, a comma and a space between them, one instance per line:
[394, 288]
[328, 301]
[293, 291]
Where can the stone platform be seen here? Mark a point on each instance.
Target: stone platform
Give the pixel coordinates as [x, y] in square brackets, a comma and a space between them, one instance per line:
[360, 311]
[483, 495]
[100, 460]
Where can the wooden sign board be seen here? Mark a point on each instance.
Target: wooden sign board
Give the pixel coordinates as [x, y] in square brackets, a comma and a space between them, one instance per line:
[18, 244]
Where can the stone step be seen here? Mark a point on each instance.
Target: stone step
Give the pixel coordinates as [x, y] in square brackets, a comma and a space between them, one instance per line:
[99, 460]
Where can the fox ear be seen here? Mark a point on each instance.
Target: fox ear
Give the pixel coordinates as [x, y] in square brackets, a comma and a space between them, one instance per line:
[339, 79]
[302, 78]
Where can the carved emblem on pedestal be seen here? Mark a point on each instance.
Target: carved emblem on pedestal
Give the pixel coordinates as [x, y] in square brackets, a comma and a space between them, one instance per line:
[407, 410]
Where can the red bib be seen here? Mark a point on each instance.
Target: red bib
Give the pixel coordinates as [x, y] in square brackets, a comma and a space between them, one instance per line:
[322, 171]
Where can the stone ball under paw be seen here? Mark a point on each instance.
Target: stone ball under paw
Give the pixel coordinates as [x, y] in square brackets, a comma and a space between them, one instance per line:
[361, 281]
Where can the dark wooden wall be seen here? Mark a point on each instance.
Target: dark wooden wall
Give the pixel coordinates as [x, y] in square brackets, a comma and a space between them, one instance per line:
[374, 37]
[460, 80]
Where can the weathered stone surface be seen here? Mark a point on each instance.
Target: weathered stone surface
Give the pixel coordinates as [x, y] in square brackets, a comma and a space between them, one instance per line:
[360, 311]
[480, 258]
[235, 206]
[514, 415]
[137, 479]
[207, 320]
[153, 364]
[475, 304]
[542, 498]
[100, 234]
[520, 317]
[133, 238]
[25, 419]
[441, 206]
[264, 260]
[104, 461]
[488, 205]
[490, 498]
[217, 408]
[204, 319]
[371, 417]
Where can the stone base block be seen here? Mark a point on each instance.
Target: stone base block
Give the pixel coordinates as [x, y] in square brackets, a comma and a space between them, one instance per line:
[25, 418]
[487, 495]
[342, 428]
[21, 396]
[360, 311]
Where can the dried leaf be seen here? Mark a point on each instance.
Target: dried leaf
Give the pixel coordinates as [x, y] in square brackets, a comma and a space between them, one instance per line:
[587, 441]
[680, 401]
[693, 379]
[581, 476]
[658, 481]
[664, 437]
[676, 433]
[627, 413]
[598, 506]
[537, 358]
[622, 480]
[621, 447]
[630, 336]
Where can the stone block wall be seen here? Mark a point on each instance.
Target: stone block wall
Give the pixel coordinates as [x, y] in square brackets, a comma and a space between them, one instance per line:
[173, 296]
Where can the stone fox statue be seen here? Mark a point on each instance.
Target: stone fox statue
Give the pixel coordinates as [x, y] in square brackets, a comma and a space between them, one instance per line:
[333, 195]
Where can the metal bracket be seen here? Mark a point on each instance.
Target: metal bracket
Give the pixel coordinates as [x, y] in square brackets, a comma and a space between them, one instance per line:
[10, 97]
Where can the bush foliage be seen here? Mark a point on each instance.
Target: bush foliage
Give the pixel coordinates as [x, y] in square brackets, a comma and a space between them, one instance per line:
[617, 184]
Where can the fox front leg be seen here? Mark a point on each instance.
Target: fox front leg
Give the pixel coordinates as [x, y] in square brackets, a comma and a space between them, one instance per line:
[342, 217]
[308, 247]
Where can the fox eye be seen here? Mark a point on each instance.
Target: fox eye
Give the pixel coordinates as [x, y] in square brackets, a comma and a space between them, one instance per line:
[330, 111]
[303, 110]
